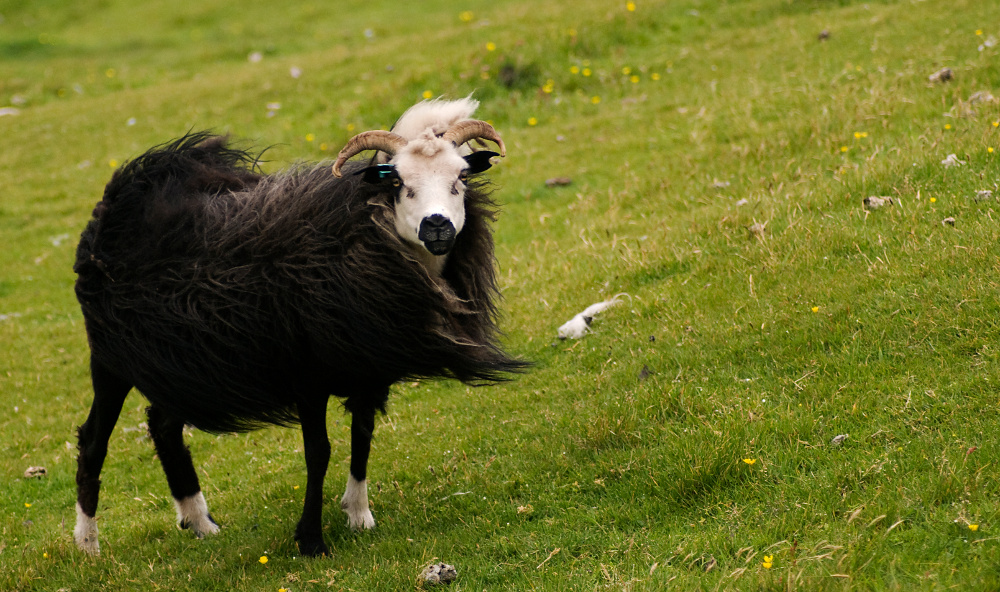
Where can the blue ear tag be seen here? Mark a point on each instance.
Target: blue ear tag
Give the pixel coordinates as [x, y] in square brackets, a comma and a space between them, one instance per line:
[379, 172]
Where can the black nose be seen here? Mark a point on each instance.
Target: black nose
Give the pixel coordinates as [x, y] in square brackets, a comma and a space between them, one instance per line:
[437, 233]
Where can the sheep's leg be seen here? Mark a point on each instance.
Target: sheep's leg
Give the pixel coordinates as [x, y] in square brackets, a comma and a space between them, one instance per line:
[109, 396]
[355, 500]
[167, 433]
[309, 532]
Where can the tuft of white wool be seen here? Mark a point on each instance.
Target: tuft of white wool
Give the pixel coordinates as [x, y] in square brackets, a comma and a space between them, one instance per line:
[436, 115]
[579, 325]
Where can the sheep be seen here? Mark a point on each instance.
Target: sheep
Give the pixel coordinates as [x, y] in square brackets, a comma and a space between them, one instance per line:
[233, 300]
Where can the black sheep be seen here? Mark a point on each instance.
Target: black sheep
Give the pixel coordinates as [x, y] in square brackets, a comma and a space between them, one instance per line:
[233, 300]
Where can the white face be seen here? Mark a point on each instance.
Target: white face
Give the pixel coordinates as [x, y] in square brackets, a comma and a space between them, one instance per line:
[430, 206]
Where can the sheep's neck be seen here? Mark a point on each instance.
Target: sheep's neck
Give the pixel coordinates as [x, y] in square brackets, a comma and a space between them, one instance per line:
[433, 263]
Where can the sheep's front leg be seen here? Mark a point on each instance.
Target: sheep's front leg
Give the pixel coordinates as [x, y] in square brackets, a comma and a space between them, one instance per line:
[309, 532]
[355, 500]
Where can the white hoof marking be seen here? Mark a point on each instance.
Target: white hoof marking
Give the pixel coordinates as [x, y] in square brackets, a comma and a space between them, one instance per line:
[192, 512]
[355, 504]
[85, 532]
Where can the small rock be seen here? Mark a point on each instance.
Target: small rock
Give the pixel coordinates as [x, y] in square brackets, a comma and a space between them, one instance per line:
[874, 202]
[948, 221]
[558, 181]
[942, 75]
[838, 440]
[35, 472]
[983, 96]
[439, 573]
[952, 160]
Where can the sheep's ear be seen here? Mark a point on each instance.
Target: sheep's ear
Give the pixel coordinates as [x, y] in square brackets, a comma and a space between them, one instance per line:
[380, 173]
[479, 161]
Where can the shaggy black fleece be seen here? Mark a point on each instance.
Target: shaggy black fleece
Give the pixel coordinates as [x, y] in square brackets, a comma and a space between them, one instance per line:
[225, 295]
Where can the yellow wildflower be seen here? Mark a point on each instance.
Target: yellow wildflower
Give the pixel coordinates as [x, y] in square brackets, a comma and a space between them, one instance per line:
[27, 505]
[815, 309]
[427, 94]
[586, 71]
[263, 559]
[990, 149]
[768, 561]
[947, 126]
[490, 46]
[626, 71]
[634, 79]
[973, 527]
[574, 69]
[844, 148]
[310, 137]
[979, 31]
[749, 461]
[654, 76]
[532, 121]
[466, 16]
[595, 99]
[933, 199]
[113, 163]
[630, 6]
[110, 72]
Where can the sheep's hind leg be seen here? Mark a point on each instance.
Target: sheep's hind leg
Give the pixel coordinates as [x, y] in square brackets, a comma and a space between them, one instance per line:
[309, 532]
[355, 500]
[167, 433]
[109, 396]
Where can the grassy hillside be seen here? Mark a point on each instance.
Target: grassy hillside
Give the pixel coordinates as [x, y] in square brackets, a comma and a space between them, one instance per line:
[719, 153]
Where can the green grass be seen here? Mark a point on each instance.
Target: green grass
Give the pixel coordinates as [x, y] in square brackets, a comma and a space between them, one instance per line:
[588, 473]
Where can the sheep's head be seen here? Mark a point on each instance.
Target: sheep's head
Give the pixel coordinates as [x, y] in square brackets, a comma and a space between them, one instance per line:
[429, 176]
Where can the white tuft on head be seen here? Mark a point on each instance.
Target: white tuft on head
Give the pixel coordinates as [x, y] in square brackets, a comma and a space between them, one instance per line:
[436, 114]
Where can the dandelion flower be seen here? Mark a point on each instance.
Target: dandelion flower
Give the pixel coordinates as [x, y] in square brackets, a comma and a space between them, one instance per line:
[768, 561]
[113, 163]
[996, 124]
[973, 527]
[574, 69]
[586, 71]
[46, 555]
[947, 126]
[654, 76]
[263, 559]
[532, 121]
[749, 461]
[110, 72]
[27, 505]
[990, 149]
[310, 137]
[979, 31]
[595, 99]
[844, 148]
[626, 71]
[815, 309]
[630, 6]
[490, 46]
[427, 94]
[634, 79]
[466, 16]
[933, 199]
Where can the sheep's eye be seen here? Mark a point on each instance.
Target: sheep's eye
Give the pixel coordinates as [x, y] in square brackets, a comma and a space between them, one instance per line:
[396, 182]
[463, 177]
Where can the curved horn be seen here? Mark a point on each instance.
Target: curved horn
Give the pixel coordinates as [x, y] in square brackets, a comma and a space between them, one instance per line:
[463, 131]
[373, 140]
